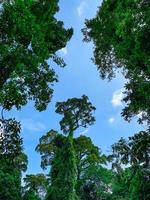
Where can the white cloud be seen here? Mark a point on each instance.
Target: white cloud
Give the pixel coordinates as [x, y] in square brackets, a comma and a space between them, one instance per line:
[31, 125]
[64, 51]
[117, 98]
[111, 120]
[81, 8]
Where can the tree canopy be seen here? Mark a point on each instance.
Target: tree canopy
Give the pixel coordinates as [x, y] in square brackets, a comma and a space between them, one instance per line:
[120, 33]
[30, 35]
[77, 112]
[131, 159]
[13, 161]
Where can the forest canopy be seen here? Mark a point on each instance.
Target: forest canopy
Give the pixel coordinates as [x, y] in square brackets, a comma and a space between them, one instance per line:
[75, 167]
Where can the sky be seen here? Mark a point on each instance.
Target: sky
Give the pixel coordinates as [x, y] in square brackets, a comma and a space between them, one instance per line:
[79, 77]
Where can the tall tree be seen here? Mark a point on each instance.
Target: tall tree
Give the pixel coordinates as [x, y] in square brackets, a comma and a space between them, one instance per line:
[134, 155]
[77, 112]
[93, 178]
[12, 160]
[59, 150]
[30, 35]
[86, 154]
[120, 36]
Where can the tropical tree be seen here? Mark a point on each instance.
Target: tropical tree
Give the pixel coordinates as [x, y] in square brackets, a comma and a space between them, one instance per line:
[58, 150]
[12, 160]
[134, 155]
[30, 38]
[30, 35]
[120, 34]
[77, 112]
[86, 154]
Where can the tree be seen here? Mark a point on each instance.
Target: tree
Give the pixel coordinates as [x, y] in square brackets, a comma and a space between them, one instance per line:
[30, 35]
[86, 154]
[58, 150]
[93, 178]
[134, 153]
[120, 36]
[13, 160]
[77, 113]
[97, 183]
[35, 187]
[120, 184]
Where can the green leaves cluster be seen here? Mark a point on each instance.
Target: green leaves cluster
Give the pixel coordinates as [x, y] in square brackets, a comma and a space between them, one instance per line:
[131, 159]
[77, 113]
[13, 161]
[120, 34]
[30, 35]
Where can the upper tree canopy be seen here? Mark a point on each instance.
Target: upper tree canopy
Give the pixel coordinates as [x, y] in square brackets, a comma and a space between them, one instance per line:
[135, 151]
[77, 113]
[30, 35]
[131, 158]
[120, 32]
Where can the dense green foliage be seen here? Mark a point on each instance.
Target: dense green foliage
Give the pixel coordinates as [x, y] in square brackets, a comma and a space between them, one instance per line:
[12, 160]
[77, 113]
[59, 150]
[120, 32]
[63, 172]
[30, 35]
[93, 178]
[77, 169]
[35, 186]
[133, 182]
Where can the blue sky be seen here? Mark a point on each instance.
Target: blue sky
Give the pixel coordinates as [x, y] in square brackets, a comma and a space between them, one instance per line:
[79, 77]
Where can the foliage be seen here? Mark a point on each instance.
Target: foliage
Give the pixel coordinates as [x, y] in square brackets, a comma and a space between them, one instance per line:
[78, 112]
[30, 39]
[47, 148]
[86, 154]
[63, 171]
[135, 151]
[120, 34]
[96, 183]
[93, 178]
[10, 185]
[58, 150]
[30, 35]
[134, 156]
[13, 160]
[30, 195]
[35, 185]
